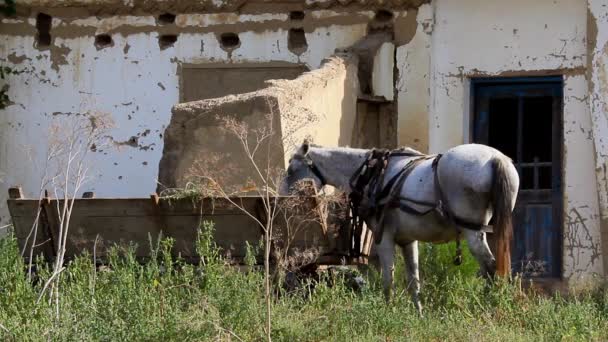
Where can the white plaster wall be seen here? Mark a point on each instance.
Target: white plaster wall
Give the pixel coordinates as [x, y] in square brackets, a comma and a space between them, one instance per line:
[582, 257]
[413, 93]
[137, 87]
[485, 38]
[598, 18]
[382, 74]
[474, 38]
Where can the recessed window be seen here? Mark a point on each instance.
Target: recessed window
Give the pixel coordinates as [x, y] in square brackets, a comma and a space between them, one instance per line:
[166, 19]
[43, 28]
[103, 41]
[296, 41]
[383, 16]
[230, 40]
[167, 40]
[296, 15]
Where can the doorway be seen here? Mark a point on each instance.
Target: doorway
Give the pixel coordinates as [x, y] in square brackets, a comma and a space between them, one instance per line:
[522, 117]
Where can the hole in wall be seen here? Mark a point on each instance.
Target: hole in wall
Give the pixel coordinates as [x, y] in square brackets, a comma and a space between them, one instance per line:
[166, 19]
[167, 40]
[44, 23]
[296, 41]
[383, 16]
[230, 41]
[296, 15]
[103, 40]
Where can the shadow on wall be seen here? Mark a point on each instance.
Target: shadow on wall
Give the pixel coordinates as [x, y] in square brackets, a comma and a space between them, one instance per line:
[348, 107]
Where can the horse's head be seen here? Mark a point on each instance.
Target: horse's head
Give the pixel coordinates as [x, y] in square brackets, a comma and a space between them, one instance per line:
[301, 167]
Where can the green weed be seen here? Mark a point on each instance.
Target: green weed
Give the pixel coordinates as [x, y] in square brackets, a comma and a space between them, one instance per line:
[165, 299]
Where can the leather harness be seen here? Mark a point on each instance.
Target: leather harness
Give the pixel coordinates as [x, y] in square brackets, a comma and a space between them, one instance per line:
[367, 183]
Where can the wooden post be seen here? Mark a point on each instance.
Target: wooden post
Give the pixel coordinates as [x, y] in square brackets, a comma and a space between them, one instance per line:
[15, 192]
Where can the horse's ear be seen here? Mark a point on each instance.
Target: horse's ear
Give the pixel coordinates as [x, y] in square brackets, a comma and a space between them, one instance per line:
[305, 146]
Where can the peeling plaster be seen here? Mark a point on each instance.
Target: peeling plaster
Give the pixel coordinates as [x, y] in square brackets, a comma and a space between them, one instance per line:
[582, 249]
[13, 58]
[582, 254]
[413, 82]
[59, 56]
[597, 62]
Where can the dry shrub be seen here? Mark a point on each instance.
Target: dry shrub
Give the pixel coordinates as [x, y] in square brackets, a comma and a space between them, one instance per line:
[213, 175]
[66, 170]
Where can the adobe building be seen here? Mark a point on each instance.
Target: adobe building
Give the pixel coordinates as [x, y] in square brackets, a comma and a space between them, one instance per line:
[529, 78]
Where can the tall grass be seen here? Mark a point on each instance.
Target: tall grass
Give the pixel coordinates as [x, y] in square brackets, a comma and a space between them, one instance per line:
[166, 299]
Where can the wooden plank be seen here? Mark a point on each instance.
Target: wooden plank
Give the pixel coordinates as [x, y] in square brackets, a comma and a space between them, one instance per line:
[22, 208]
[116, 230]
[127, 207]
[144, 207]
[231, 234]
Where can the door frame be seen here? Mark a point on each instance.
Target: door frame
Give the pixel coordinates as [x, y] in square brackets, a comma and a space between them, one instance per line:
[559, 130]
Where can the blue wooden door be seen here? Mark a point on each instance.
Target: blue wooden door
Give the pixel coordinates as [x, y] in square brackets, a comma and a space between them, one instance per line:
[522, 117]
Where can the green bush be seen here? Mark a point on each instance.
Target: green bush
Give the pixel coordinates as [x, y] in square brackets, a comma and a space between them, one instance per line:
[169, 300]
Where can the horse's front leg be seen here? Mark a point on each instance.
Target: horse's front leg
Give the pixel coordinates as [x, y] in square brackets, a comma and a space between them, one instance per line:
[410, 255]
[478, 245]
[386, 253]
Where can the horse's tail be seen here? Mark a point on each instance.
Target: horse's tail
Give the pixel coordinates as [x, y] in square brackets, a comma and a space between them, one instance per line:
[502, 201]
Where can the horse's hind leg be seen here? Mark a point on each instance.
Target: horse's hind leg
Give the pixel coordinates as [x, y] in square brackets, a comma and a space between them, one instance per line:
[386, 253]
[410, 254]
[481, 251]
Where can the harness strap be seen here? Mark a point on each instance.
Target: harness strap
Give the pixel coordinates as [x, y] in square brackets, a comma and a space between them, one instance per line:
[370, 175]
[398, 181]
[315, 170]
[444, 205]
[369, 172]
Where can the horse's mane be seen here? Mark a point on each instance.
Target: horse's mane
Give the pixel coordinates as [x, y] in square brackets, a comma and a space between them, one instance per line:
[405, 149]
[410, 150]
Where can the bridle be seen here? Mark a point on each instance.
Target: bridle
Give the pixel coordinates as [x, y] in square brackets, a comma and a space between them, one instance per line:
[313, 168]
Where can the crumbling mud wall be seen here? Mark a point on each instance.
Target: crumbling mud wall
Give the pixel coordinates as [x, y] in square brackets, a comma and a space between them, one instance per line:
[201, 140]
[100, 7]
[520, 38]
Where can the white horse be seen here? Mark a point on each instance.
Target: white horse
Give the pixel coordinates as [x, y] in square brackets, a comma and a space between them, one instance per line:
[474, 182]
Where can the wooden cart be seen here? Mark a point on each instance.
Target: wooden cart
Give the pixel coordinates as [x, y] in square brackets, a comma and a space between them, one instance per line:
[98, 223]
